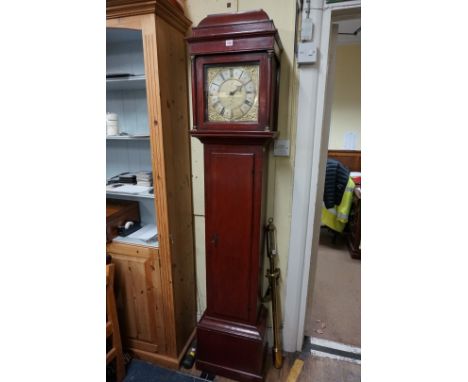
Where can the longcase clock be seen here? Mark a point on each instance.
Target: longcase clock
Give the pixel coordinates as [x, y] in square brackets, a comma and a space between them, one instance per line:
[235, 70]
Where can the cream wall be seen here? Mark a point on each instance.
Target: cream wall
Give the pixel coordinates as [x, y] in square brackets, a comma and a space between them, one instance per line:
[279, 201]
[346, 108]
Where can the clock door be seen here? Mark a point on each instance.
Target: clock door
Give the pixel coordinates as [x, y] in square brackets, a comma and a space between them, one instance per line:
[232, 188]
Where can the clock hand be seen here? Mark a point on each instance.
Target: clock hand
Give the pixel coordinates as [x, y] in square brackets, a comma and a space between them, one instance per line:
[236, 90]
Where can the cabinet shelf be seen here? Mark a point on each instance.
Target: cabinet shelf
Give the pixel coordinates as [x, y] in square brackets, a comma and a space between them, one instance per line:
[129, 194]
[130, 190]
[127, 137]
[135, 238]
[126, 240]
[126, 83]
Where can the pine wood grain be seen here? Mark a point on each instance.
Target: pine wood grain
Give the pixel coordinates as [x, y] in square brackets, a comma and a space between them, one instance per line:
[176, 141]
[112, 326]
[157, 285]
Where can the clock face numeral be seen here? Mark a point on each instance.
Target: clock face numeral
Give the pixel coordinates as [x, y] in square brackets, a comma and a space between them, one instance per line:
[237, 73]
[232, 93]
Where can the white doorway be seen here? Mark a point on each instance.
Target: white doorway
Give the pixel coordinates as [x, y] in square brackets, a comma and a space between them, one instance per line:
[333, 310]
[313, 129]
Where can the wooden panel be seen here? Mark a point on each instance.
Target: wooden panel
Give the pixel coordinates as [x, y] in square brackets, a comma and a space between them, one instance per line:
[233, 200]
[112, 326]
[239, 44]
[232, 349]
[169, 10]
[228, 233]
[131, 250]
[174, 118]
[139, 300]
[350, 158]
[145, 346]
[159, 177]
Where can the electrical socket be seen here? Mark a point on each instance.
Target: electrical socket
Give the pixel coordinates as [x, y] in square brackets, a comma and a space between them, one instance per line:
[306, 53]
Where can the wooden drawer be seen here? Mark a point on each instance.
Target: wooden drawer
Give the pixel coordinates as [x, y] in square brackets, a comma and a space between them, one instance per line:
[131, 249]
[117, 213]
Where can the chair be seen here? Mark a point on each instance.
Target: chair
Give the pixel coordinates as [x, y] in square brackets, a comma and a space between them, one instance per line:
[112, 326]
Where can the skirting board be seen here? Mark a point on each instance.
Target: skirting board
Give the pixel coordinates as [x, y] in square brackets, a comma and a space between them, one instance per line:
[163, 360]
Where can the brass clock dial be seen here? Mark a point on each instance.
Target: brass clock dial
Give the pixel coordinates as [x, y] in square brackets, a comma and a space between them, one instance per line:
[232, 93]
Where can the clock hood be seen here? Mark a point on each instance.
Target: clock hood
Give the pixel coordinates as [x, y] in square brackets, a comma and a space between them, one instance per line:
[218, 29]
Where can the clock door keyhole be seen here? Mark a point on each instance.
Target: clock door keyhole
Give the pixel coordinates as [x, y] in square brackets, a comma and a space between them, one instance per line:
[215, 239]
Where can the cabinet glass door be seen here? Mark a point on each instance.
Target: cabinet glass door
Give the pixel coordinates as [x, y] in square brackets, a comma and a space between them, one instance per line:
[128, 147]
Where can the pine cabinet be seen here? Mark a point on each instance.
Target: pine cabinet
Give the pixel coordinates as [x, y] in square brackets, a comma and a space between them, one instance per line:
[147, 92]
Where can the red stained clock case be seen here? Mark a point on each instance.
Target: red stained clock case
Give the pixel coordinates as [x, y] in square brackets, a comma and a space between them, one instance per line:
[231, 335]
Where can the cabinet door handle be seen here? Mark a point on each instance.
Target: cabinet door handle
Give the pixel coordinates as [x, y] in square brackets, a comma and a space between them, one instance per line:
[214, 239]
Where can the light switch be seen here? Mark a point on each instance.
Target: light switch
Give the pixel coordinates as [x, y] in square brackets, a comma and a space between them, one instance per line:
[306, 53]
[281, 148]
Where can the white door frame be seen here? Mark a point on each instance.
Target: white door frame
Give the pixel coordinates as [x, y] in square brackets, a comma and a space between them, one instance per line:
[313, 128]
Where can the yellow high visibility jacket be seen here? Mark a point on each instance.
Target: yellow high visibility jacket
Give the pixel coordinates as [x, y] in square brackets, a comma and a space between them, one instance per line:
[337, 217]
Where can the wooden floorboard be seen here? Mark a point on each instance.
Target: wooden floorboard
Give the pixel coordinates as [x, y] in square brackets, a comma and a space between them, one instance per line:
[315, 369]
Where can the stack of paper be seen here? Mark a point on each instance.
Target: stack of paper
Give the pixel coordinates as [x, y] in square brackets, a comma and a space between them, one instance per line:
[147, 233]
[129, 189]
[144, 178]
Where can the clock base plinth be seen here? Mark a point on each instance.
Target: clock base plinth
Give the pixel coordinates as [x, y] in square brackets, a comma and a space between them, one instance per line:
[232, 349]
